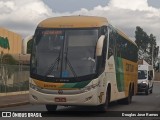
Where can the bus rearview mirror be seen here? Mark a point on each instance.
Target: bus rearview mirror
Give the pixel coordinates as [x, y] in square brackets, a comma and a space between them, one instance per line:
[100, 45]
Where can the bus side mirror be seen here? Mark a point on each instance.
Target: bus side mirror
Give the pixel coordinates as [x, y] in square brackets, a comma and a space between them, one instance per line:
[100, 45]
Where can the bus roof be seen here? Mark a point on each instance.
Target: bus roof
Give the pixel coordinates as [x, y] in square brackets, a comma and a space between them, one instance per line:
[125, 36]
[78, 22]
[73, 22]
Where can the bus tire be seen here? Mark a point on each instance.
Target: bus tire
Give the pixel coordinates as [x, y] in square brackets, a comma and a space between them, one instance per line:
[104, 107]
[51, 107]
[128, 99]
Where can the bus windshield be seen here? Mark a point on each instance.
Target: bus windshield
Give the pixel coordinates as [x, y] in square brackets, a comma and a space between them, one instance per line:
[64, 53]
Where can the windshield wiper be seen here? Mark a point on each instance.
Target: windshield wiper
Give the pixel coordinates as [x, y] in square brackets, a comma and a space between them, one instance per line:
[53, 64]
[69, 64]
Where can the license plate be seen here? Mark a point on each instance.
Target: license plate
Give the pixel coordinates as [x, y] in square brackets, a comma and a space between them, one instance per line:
[60, 99]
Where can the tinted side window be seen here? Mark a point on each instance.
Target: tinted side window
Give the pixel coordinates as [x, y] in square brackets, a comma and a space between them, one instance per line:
[125, 49]
[112, 43]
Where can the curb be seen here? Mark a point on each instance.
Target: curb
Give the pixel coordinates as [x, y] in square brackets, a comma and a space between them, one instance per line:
[157, 81]
[14, 93]
[14, 104]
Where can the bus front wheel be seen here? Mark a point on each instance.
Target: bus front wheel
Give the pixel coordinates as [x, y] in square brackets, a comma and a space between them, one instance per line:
[51, 107]
[104, 106]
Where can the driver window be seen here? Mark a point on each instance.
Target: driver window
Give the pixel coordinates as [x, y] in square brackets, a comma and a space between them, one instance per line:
[112, 38]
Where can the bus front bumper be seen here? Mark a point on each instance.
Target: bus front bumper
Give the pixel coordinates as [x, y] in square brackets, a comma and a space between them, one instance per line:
[89, 98]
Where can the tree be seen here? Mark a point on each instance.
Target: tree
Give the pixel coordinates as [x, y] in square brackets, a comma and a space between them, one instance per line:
[142, 38]
[8, 59]
[29, 46]
[147, 45]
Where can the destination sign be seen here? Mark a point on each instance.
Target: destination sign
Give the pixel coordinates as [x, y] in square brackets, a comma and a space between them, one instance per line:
[52, 32]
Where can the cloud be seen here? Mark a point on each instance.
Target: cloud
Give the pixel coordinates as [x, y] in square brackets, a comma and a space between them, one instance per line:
[127, 14]
[22, 16]
[129, 4]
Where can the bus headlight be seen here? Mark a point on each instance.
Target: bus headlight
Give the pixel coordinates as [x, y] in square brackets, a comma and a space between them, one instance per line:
[34, 87]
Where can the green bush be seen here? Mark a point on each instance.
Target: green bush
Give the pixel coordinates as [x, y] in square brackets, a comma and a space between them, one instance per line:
[29, 46]
[8, 59]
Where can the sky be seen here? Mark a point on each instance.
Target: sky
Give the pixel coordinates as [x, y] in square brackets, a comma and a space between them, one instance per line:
[22, 16]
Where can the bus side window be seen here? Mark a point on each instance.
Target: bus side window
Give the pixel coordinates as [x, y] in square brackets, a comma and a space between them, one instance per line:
[104, 50]
[103, 30]
[112, 38]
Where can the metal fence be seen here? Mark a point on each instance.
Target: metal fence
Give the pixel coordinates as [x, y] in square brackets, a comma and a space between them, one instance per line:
[14, 78]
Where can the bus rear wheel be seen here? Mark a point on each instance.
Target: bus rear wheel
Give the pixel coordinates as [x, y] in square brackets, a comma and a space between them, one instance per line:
[128, 99]
[51, 107]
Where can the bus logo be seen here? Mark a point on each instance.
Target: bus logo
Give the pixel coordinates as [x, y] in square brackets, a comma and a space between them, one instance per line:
[60, 91]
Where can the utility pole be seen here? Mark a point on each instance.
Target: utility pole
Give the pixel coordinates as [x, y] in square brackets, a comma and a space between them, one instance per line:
[152, 54]
[158, 64]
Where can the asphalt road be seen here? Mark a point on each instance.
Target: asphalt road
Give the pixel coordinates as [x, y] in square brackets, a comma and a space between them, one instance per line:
[140, 102]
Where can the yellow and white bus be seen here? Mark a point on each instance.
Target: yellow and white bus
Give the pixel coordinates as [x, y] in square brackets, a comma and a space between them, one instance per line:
[81, 61]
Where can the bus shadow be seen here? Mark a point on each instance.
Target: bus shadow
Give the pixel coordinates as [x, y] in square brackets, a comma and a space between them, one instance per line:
[81, 111]
[141, 93]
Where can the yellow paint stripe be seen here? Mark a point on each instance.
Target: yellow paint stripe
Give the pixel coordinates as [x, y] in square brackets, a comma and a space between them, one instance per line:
[130, 74]
[47, 84]
[50, 85]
